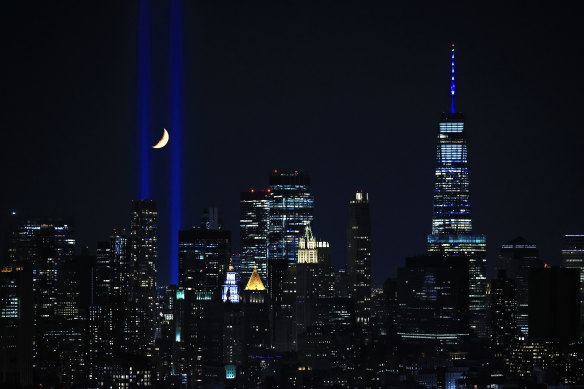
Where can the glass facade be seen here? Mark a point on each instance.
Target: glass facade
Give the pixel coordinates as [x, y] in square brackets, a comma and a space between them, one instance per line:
[452, 222]
[451, 190]
[254, 225]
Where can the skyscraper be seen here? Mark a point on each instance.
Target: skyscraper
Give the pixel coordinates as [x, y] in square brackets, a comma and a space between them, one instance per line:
[291, 210]
[16, 326]
[48, 246]
[573, 257]
[516, 258]
[452, 223]
[142, 286]
[359, 255]
[203, 261]
[254, 224]
[503, 318]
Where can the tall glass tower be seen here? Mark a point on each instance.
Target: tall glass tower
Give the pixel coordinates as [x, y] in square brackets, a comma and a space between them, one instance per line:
[452, 222]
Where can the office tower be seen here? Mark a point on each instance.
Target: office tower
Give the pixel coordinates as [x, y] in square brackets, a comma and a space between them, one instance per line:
[503, 321]
[554, 306]
[16, 326]
[516, 258]
[254, 224]
[48, 246]
[291, 210]
[573, 257]
[359, 255]
[433, 299]
[452, 223]
[142, 285]
[203, 261]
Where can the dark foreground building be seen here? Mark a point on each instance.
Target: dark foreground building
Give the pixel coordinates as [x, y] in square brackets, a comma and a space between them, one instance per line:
[554, 304]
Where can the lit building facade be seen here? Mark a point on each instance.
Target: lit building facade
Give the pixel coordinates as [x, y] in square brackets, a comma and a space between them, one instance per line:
[142, 285]
[291, 210]
[452, 222]
[254, 225]
[48, 246]
[359, 256]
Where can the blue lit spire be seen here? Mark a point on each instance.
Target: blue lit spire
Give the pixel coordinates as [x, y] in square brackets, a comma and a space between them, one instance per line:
[452, 80]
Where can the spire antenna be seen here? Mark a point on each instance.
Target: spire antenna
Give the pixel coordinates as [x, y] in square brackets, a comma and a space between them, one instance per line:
[452, 90]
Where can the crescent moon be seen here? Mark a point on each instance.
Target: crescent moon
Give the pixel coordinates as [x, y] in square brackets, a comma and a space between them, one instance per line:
[162, 142]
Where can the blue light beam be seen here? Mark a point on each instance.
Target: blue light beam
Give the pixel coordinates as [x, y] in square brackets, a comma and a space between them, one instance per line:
[176, 94]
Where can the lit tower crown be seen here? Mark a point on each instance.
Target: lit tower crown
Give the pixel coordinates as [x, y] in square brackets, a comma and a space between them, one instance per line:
[230, 288]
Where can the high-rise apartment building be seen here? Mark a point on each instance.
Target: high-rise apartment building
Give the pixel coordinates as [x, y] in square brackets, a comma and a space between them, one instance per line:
[359, 255]
[452, 223]
[48, 246]
[142, 285]
[573, 257]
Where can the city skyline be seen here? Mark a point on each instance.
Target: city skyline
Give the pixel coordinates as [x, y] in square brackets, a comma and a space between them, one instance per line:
[345, 195]
[368, 79]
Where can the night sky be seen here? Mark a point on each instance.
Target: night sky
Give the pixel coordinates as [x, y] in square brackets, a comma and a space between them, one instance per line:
[350, 92]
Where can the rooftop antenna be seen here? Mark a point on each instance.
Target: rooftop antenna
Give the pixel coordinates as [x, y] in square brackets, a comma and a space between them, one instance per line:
[452, 81]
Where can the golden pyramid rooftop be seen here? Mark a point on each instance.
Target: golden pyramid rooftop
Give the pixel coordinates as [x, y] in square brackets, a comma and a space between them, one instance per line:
[255, 282]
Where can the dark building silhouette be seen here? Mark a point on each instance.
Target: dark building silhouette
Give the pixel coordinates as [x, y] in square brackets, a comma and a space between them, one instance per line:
[359, 256]
[503, 315]
[433, 299]
[517, 257]
[16, 326]
[554, 304]
[573, 257]
[203, 261]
